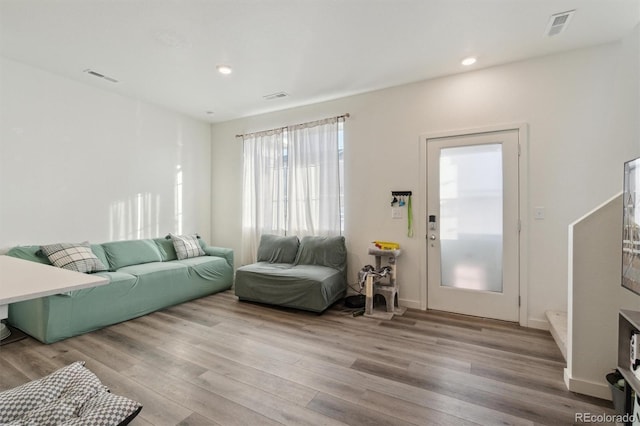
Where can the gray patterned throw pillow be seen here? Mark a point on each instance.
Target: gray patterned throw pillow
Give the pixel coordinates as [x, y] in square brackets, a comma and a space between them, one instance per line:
[186, 246]
[73, 256]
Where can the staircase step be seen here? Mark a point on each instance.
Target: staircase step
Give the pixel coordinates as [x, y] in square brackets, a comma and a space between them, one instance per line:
[558, 328]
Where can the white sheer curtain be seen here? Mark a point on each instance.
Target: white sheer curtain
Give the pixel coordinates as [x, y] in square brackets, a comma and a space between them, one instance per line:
[313, 193]
[291, 183]
[264, 190]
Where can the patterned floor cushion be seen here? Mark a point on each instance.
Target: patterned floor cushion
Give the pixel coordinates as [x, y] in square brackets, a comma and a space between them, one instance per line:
[72, 395]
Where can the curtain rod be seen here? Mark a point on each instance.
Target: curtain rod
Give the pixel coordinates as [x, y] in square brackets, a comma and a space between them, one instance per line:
[343, 116]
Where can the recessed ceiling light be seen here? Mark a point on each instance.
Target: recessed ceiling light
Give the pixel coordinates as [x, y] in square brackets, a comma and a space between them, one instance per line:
[469, 61]
[224, 69]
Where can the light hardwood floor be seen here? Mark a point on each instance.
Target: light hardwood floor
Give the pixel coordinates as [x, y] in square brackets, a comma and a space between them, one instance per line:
[219, 361]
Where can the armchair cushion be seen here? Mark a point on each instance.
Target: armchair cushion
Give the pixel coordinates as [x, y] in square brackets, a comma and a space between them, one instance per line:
[277, 249]
[324, 251]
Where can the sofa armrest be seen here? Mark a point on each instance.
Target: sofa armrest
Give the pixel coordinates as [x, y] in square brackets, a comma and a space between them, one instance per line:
[224, 252]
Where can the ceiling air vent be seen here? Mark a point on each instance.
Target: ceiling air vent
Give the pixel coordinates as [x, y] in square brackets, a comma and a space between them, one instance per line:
[275, 96]
[558, 23]
[97, 74]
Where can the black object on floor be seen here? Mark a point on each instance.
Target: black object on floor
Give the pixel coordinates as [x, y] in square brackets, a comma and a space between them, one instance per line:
[355, 301]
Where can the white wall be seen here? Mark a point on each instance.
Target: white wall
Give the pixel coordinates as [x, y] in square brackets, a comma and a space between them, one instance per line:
[594, 283]
[79, 163]
[595, 297]
[581, 108]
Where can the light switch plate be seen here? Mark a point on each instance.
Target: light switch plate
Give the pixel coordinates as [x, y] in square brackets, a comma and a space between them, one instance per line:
[538, 213]
[396, 213]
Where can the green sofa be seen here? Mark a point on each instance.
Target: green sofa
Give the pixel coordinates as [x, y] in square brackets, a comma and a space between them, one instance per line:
[145, 275]
[310, 274]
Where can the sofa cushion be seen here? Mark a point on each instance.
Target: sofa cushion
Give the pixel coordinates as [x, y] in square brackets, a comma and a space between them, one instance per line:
[131, 252]
[186, 246]
[73, 256]
[158, 272]
[116, 279]
[207, 267]
[35, 254]
[31, 253]
[277, 249]
[323, 251]
[100, 254]
[167, 251]
[309, 287]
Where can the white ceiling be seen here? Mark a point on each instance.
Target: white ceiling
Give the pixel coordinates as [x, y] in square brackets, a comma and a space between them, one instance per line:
[166, 51]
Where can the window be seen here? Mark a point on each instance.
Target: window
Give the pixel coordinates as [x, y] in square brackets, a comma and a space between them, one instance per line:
[293, 182]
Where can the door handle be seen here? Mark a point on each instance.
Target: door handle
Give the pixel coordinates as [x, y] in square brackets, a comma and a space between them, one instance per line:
[432, 237]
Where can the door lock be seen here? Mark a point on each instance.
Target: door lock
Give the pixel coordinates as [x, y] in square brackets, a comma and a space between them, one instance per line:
[432, 222]
[432, 237]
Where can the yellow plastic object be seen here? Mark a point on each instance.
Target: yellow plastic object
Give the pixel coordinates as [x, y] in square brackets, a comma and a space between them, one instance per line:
[386, 245]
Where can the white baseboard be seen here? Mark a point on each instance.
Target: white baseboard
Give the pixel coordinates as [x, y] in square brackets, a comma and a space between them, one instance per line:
[585, 387]
[412, 304]
[538, 324]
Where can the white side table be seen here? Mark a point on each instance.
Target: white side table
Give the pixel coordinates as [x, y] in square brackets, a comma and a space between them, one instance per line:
[24, 280]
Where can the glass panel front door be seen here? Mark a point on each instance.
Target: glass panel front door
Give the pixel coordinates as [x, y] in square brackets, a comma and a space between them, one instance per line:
[471, 223]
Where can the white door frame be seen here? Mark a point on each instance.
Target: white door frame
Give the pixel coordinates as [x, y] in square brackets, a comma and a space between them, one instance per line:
[523, 207]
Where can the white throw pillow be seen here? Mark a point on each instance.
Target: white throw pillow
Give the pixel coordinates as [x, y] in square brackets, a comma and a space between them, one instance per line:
[74, 256]
[186, 246]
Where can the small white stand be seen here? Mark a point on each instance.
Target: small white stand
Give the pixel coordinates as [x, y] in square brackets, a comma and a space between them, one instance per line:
[388, 289]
